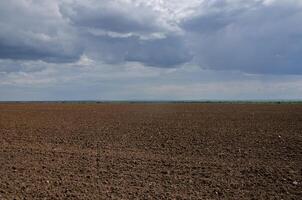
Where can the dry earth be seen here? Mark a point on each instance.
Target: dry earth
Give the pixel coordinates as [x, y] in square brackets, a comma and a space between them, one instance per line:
[150, 151]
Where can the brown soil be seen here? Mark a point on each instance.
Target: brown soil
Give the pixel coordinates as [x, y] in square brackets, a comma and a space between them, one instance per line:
[150, 151]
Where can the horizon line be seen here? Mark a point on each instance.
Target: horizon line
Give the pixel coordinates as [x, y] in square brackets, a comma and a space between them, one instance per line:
[160, 101]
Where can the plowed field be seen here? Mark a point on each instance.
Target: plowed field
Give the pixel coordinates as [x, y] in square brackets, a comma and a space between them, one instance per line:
[150, 151]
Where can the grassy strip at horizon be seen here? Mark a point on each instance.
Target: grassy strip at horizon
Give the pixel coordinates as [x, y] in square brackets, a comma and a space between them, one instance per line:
[159, 102]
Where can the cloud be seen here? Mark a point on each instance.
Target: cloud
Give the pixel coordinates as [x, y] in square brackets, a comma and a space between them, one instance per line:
[134, 81]
[10, 66]
[124, 32]
[35, 30]
[257, 36]
[165, 52]
[113, 16]
[127, 49]
[262, 37]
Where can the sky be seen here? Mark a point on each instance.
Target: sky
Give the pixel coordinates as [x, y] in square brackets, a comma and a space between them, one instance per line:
[150, 50]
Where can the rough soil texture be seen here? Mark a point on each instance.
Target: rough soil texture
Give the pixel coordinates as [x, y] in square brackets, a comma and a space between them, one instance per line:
[150, 151]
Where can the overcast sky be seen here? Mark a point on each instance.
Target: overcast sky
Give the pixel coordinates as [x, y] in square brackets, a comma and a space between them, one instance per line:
[150, 49]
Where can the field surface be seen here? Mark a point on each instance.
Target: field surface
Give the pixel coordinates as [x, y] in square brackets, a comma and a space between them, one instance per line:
[150, 151]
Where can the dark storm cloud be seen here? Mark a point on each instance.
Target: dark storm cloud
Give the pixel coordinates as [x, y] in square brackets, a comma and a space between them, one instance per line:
[257, 36]
[254, 39]
[112, 32]
[122, 33]
[24, 52]
[34, 30]
[164, 52]
[167, 52]
[109, 16]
